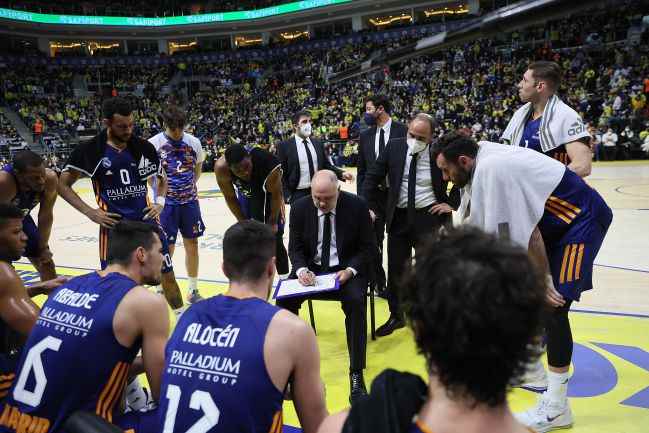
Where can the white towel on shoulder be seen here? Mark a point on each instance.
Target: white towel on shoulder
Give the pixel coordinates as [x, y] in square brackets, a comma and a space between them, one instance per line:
[560, 125]
[509, 188]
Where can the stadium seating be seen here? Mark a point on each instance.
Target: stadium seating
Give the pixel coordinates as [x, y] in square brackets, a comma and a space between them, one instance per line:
[250, 100]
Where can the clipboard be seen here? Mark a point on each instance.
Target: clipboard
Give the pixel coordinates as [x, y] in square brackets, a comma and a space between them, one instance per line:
[292, 287]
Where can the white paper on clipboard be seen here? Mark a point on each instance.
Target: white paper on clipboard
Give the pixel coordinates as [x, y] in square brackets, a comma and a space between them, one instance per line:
[290, 288]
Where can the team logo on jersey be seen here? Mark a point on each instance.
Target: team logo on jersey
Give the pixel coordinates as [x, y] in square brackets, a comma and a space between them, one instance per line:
[106, 162]
[163, 154]
[109, 173]
[146, 167]
[576, 128]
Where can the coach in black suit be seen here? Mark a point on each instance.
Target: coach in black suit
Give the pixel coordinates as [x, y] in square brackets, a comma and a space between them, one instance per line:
[373, 141]
[301, 157]
[414, 210]
[330, 231]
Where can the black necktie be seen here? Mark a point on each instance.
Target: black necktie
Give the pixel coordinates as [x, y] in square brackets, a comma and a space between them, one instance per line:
[326, 243]
[310, 158]
[381, 142]
[412, 186]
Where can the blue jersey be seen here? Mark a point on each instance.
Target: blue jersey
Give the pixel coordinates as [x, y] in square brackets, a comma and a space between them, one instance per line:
[179, 159]
[531, 140]
[24, 200]
[215, 374]
[118, 186]
[72, 360]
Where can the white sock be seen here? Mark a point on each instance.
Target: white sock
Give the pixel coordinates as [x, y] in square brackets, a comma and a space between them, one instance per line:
[193, 284]
[558, 386]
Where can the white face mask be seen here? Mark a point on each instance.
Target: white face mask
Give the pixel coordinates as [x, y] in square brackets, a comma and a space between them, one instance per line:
[305, 129]
[415, 146]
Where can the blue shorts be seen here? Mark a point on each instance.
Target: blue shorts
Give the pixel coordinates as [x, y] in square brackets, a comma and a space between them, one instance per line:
[33, 237]
[139, 422]
[184, 217]
[104, 236]
[572, 259]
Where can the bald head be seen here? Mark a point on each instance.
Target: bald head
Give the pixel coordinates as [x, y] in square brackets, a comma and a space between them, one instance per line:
[324, 190]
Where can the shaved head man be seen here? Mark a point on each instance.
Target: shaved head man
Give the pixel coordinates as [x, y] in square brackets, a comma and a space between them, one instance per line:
[318, 245]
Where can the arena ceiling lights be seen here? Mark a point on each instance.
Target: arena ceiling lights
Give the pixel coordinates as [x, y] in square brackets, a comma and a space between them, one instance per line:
[287, 8]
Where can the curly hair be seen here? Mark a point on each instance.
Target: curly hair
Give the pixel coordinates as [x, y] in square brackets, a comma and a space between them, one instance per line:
[475, 304]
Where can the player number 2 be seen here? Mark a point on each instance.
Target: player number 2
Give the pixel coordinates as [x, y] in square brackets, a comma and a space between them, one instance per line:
[200, 400]
[178, 164]
[34, 362]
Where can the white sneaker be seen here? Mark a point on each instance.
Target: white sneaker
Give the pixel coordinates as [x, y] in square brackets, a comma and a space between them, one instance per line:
[137, 398]
[535, 378]
[547, 415]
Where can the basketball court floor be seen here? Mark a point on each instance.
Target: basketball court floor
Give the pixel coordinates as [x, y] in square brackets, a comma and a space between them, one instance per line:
[609, 388]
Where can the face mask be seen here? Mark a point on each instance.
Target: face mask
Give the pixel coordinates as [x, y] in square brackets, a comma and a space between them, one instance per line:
[415, 146]
[306, 130]
[369, 119]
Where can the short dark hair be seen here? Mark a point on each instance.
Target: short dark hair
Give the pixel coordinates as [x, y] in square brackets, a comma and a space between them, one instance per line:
[235, 153]
[8, 212]
[475, 304]
[454, 144]
[126, 237]
[549, 72]
[380, 100]
[26, 158]
[174, 117]
[247, 247]
[296, 117]
[116, 105]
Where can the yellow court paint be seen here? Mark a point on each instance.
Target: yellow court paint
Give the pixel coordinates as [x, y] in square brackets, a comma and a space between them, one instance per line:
[594, 366]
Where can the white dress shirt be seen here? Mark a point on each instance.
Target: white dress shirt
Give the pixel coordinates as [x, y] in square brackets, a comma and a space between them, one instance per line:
[305, 175]
[424, 194]
[333, 248]
[386, 135]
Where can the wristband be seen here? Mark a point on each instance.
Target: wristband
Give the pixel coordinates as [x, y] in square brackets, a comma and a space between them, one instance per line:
[159, 200]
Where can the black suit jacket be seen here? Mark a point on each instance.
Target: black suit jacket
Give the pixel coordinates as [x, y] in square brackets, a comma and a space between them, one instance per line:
[355, 239]
[288, 156]
[391, 163]
[366, 151]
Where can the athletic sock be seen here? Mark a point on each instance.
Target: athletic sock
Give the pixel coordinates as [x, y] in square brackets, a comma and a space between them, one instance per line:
[558, 386]
[193, 284]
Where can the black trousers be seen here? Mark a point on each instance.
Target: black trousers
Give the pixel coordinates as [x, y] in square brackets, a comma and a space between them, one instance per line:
[352, 296]
[298, 194]
[402, 238]
[281, 255]
[378, 275]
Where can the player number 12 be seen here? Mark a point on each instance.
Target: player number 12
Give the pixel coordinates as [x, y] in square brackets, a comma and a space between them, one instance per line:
[200, 400]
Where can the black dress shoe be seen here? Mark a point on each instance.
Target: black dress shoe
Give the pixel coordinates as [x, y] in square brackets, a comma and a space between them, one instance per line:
[356, 386]
[390, 326]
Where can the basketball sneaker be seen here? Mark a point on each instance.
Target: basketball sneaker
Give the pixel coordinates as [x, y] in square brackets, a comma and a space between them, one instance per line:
[547, 415]
[193, 297]
[535, 378]
[137, 398]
